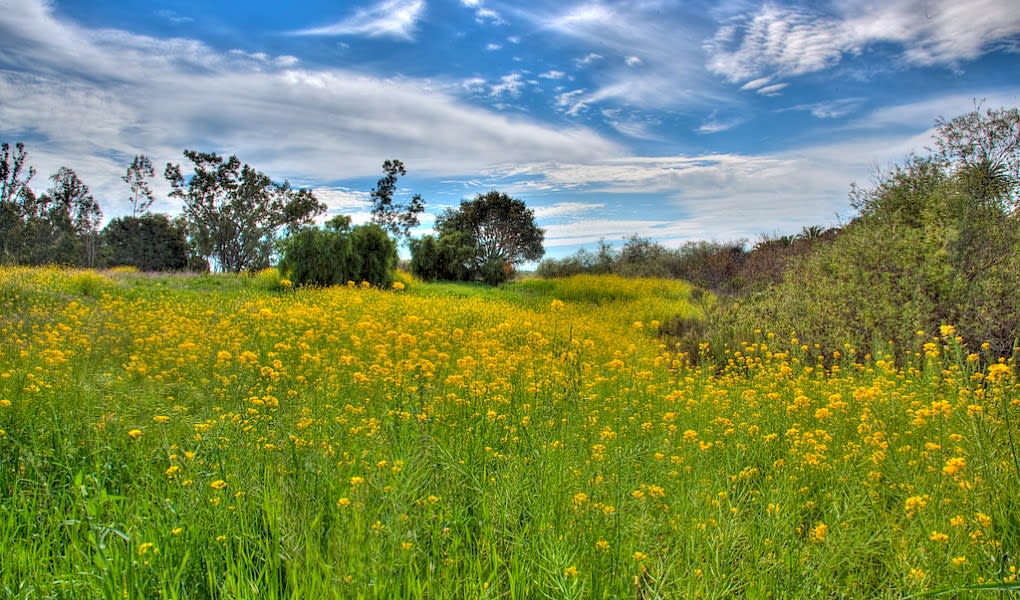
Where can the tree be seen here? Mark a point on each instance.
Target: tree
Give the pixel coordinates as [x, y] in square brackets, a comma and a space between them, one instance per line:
[503, 232]
[234, 212]
[642, 257]
[987, 144]
[74, 217]
[16, 199]
[149, 242]
[138, 176]
[396, 218]
[13, 176]
[376, 254]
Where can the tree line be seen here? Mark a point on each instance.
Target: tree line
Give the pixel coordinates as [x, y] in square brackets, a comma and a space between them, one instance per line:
[731, 268]
[237, 219]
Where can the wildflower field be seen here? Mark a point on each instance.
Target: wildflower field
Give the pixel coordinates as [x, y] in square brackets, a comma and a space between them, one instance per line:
[230, 437]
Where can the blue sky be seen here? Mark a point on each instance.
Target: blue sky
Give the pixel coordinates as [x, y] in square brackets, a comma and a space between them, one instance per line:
[671, 120]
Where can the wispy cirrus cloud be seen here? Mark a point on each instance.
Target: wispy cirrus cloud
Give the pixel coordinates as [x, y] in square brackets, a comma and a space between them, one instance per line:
[397, 19]
[716, 125]
[637, 54]
[777, 40]
[830, 109]
[173, 17]
[567, 209]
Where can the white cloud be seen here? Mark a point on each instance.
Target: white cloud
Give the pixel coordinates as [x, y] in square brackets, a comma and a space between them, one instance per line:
[108, 95]
[776, 40]
[787, 41]
[632, 125]
[573, 102]
[622, 35]
[755, 83]
[343, 201]
[510, 84]
[567, 209]
[553, 74]
[591, 231]
[487, 16]
[390, 18]
[492, 47]
[772, 90]
[715, 125]
[474, 85]
[833, 109]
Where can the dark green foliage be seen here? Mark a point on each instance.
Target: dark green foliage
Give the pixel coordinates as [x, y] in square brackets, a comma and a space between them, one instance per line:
[644, 257]
[149, 242]
[336, 254]
[376, 255]
[600, 262]
[16, 200]
[447, 258]
[712, 265]
[74, 217]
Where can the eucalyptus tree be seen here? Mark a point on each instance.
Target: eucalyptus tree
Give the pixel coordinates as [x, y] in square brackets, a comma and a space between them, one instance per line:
[395, 217]
[234, 212]
[137, 177]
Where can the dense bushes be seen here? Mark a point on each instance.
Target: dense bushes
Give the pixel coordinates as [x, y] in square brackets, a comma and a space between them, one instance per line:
[447, 257]
[718, 266]
[338, 253]
[149, 242]
[936, 243]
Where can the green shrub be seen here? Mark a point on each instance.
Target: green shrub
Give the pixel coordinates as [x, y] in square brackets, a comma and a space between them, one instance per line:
[337, 253]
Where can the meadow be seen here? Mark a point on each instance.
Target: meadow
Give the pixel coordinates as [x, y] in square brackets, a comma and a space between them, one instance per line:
[231, 437]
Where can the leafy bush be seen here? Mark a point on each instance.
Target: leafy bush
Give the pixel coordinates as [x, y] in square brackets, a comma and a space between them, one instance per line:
[374, 255]
[338, 253]
[450, 257]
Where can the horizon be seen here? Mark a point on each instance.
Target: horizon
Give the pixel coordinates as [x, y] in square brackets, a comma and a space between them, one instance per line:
[708, 121]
